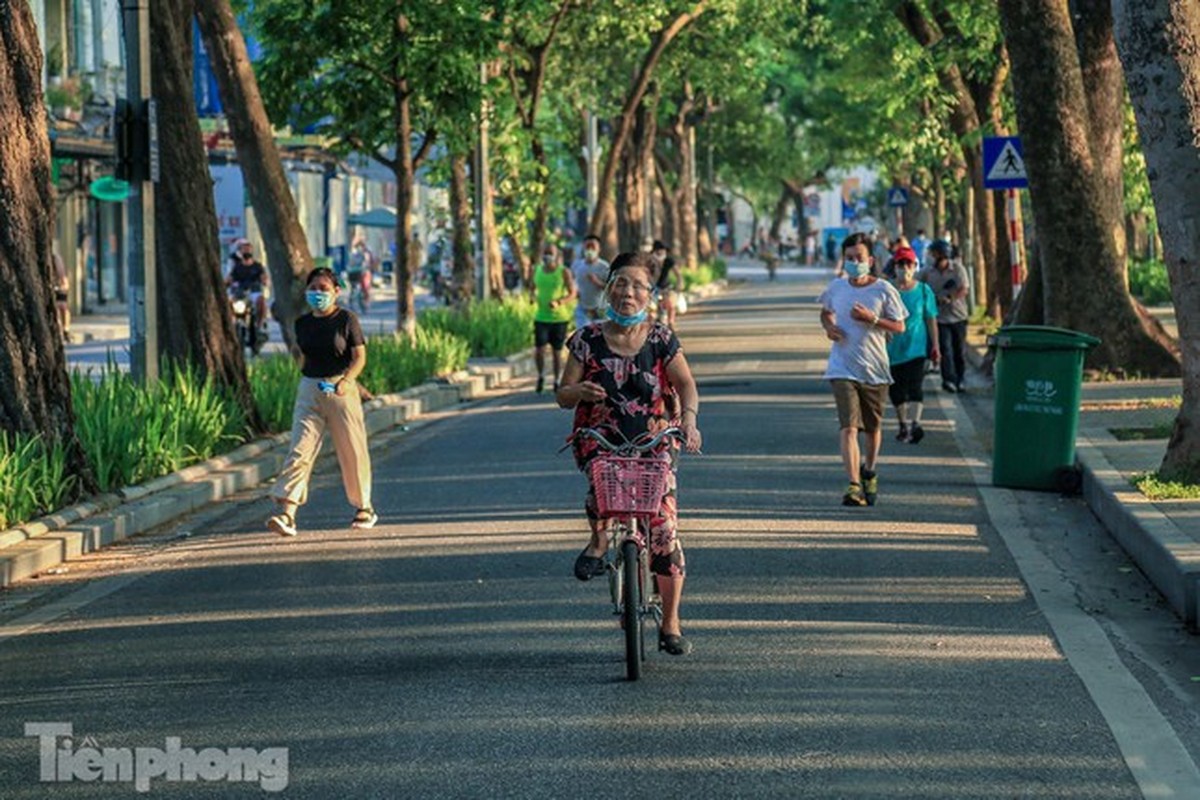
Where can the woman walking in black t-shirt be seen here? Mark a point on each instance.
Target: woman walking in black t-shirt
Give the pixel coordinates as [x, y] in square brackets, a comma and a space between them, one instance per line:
[332, 354]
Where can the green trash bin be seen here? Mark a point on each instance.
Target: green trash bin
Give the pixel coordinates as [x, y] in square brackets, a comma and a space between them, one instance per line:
[1038, 372]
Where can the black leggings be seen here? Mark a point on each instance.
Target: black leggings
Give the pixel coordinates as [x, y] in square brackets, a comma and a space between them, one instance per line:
[908, 382]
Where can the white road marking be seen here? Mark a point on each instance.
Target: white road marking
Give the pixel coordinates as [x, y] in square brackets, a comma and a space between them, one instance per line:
[1157, 759]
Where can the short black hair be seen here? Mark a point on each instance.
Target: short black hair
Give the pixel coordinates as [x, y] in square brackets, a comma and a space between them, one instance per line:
[856, 239]
[659, 245]
[591, 237]
[317, 273]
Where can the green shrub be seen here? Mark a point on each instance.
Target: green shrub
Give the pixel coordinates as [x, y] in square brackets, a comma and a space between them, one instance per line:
[273, 382]
[704, 273]
[133, 433]
[1149, 283]
[33, 478]
[492, 328]
[394, 363]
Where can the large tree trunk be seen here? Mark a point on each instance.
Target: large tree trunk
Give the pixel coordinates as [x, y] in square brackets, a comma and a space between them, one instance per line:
[194, 323]
[604, 219]
[637, 172]
[35, 392]
[688, 255]
[1083, 274]
[460, 214]
[1104, 90]
[286, 247]
[1160, 47]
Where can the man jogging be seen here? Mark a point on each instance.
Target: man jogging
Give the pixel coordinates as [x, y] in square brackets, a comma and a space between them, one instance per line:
[857, 313]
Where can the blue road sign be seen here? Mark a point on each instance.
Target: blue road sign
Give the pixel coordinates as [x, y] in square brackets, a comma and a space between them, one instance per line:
[1003, 163]
[897, 197]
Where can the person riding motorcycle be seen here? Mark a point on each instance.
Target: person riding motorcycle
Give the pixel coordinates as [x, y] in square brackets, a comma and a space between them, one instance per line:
[249, 277]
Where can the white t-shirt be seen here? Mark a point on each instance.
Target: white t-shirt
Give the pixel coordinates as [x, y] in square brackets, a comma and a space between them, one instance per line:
[589, 293]
[861, 355]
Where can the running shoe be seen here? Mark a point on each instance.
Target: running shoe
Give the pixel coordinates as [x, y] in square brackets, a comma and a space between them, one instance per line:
[854, 496]
[903, 434]
[364, 519]
[870, 486]
[916, 433]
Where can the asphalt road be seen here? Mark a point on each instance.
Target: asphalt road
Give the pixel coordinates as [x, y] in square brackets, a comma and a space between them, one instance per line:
[954, 641]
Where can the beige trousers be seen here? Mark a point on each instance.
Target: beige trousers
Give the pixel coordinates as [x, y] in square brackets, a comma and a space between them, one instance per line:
[314, 411]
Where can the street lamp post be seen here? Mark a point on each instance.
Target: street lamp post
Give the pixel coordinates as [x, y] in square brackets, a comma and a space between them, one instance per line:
[140, 148]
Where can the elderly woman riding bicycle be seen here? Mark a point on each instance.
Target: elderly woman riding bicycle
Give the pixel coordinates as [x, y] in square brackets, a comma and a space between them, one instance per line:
[629, 374]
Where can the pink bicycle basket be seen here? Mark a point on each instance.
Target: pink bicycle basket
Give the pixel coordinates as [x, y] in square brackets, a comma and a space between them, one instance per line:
[629, 485]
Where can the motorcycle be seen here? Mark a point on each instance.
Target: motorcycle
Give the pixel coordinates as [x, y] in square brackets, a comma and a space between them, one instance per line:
[251, 333]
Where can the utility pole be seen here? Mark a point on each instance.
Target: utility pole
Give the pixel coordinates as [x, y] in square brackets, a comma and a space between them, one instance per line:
[138, 150]
[591, 155]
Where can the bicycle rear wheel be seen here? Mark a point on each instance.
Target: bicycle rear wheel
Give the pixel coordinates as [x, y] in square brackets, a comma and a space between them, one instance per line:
[631, 601]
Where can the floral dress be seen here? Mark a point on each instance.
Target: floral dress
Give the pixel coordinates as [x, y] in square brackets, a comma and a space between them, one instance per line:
[640, 399]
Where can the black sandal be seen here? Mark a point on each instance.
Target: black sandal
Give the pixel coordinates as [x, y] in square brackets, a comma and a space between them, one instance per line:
[588, 567]
[674, 644]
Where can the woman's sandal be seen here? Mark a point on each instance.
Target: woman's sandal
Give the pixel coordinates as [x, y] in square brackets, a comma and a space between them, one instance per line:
[674, 644]
[588, 567]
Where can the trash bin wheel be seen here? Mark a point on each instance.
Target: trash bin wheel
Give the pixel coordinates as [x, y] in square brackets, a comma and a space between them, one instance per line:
[1069, 480]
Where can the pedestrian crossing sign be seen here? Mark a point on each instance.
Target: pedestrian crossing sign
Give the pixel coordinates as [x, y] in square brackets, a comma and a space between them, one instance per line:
[1003, 163]
[897, 196]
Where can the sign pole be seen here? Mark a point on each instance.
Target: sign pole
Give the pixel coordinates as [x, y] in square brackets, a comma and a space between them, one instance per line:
[1013, 207]
[143, 285]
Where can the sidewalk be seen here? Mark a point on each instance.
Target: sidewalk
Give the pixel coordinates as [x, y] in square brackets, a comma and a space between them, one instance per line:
[1162, 537]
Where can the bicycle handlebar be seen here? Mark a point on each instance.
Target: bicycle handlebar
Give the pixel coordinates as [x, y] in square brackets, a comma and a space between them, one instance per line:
[628, 447]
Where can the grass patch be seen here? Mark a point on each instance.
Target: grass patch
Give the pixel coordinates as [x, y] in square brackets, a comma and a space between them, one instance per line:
[33, 478]
[1155, 488]
[1160, 431]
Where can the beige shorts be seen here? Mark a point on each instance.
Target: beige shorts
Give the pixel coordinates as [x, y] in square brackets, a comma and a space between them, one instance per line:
[859, 405]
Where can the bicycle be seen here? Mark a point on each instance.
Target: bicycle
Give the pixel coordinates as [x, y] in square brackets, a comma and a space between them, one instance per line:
[629, 486]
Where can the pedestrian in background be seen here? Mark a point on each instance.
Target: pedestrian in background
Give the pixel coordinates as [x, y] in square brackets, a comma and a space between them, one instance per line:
[948, 280]
[332, 354]
[858, 312]
[62, 294]
[668, 282]
[591, 274]
[920, 243]
[907, 351]
[554, 293]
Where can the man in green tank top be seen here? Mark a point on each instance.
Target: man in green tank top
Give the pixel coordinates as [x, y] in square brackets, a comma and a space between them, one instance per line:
[554, 288]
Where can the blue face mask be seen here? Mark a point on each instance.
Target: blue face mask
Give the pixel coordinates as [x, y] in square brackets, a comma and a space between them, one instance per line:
[320, 301]
[858, 269]
[626, 321]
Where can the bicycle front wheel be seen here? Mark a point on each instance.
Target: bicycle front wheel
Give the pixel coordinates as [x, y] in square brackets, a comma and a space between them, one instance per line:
[631, 617]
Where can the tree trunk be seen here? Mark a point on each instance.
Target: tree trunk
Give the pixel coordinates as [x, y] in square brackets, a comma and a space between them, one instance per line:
[637, 174]
[688, 222]
[604, 218]
[541, 215]
[287, 254]
[1160, 47]
[1104, 90]
[1083, 274]
[460, 213]
[35, 391]
[194, 323]
[670, 208]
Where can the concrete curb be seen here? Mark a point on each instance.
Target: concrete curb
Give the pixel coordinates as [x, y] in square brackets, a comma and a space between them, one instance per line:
[68, 533]
[1162, 550]
[1167, 555]
[85, 527]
